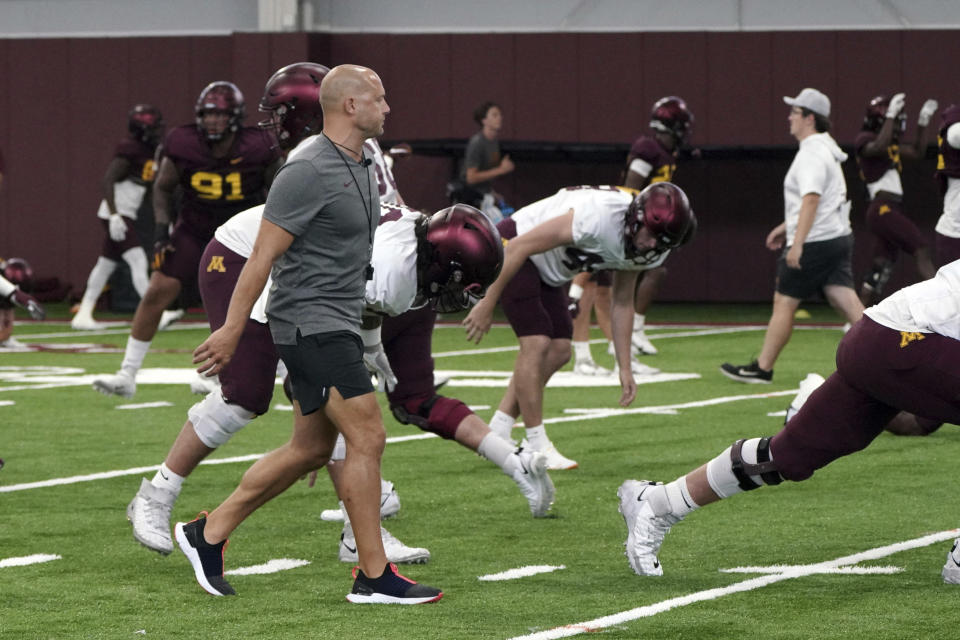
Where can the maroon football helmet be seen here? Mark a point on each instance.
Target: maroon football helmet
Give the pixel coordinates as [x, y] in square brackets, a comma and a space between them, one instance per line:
[877, 113]
[220, 96]
[464, 254]
[663, 208]
[19, 272]
[292, 100]
[671, 115]
[145, 123]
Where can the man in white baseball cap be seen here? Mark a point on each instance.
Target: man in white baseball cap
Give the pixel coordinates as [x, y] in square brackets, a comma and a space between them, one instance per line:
[815, 236]
[812, 100]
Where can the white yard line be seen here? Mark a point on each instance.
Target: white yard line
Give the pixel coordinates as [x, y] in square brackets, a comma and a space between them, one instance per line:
[789, 573]
[23, 561]
[521, 572]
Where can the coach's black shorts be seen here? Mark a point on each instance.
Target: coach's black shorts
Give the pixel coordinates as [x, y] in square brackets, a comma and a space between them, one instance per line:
[321, 361]
[822, 263]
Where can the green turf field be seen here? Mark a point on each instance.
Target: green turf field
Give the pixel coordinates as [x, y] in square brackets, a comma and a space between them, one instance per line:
[471, 516]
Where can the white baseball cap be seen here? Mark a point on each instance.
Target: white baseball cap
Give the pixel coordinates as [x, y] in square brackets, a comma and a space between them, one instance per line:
[811, 99]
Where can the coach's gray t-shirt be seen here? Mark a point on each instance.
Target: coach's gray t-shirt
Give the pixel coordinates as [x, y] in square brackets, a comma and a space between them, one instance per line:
[318, 283]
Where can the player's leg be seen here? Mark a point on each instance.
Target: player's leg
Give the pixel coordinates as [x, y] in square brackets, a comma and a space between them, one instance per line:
[96, 281]
[648, 286]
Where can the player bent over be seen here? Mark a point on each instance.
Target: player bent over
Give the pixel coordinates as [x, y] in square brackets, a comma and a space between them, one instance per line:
[898, 364]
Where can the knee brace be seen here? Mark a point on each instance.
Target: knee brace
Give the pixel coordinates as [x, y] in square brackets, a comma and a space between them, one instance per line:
[744, 466]
[438, 414]
[215, 421]
[878, 277]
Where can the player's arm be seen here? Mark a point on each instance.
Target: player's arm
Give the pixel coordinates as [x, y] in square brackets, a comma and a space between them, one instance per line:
[475, 175]
[553, 233]
[621, 325]
[878, 146]
[374, 355]
[922, 138]
[117, 170]
[638, 173]
[216, 351]
[808, 211]
[163, 189]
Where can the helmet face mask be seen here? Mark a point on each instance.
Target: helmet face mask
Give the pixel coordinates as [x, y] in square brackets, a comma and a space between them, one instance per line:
[671, 115]
[664, 211]
[291, 100]
[464, 254]
[220, 97]
[145, 123]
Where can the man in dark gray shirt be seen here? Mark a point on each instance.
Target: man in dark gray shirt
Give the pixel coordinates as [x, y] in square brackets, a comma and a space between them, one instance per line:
[317, 235]
[482, 161]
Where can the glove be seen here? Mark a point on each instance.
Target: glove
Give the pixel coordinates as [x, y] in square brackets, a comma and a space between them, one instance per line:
[118, 229]
[29, 303]
[926, 112]
[161, 245]
[375, 359]
[573, 300]
[897, 103]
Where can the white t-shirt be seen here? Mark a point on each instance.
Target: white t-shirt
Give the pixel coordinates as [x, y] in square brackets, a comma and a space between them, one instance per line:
[393, 287]
[816, 169]
[599, 216]
[949, 222]
[932, 306]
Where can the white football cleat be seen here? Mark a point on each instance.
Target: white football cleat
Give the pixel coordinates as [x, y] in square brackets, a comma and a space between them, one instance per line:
[638, 369]
[85, 322]
[534, 481]
[590, 368]
[168, 317]
[149, 513]
[951, 569]
[202, 385]
[807, 386]
[555, 460]
[119, 384]
[645, 529]
[642, 343]
[397, 552]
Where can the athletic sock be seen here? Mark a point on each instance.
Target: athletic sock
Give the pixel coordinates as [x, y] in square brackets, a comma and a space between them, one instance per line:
[581, 352]
[537, 437]
[166, 479]
[498, 451]
[501, 423]
[133, 356]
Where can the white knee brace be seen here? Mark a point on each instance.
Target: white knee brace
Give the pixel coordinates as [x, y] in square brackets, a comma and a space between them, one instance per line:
[730, 474]
[215, 421]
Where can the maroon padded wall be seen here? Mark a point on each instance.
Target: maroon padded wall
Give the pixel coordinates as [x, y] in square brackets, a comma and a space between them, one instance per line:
[63, 105]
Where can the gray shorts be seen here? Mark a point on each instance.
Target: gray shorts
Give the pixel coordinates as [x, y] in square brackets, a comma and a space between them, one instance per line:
[823, 263]
[321, 361]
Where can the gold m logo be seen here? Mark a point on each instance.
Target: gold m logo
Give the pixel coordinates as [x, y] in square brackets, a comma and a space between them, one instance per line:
[906, 337]
[884, 208]
[216, 264]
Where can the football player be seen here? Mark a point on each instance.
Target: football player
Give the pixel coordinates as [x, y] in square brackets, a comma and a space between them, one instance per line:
[652, 158]
[879, 157]
[899, 363]
[548, 243]
[125, 185]
[14, 273]
[948, 174]
[222, 168]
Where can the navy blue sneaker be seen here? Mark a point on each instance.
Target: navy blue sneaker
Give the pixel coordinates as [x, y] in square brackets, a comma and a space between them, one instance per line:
[207, 559]
[390, 588]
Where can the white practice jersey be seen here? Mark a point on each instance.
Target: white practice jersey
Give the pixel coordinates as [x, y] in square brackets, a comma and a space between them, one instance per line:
[393, 287]
[127, 197]
[599, 216]
[932, 306]
[385, 181]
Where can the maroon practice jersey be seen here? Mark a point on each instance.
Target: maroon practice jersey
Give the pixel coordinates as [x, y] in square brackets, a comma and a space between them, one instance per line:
[139, 154]
[662, 161]
[872, 168]
[948, 158]
[216, 189]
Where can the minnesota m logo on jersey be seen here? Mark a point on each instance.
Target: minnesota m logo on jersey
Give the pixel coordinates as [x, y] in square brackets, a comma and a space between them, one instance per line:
[216, 264]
